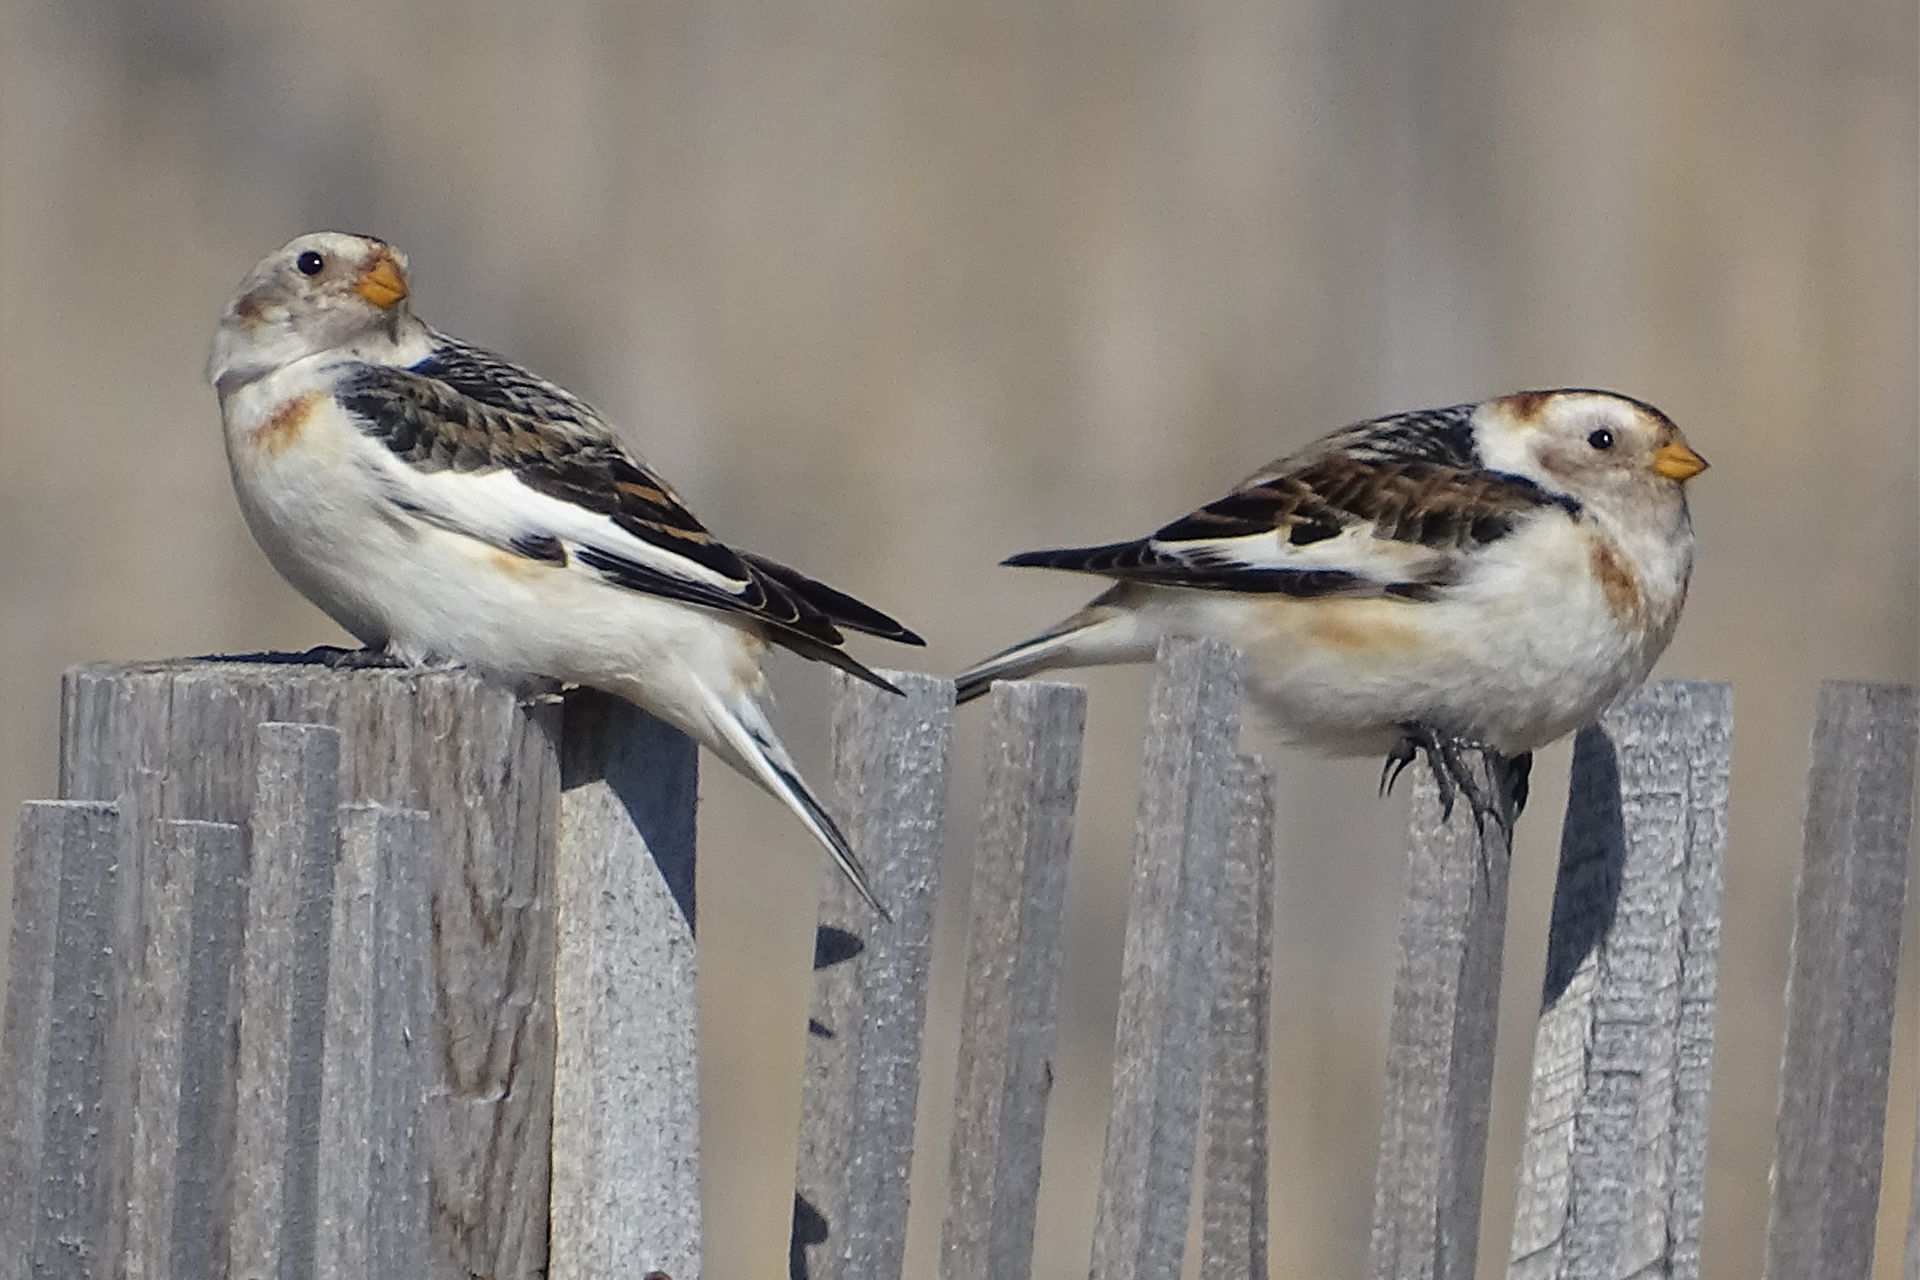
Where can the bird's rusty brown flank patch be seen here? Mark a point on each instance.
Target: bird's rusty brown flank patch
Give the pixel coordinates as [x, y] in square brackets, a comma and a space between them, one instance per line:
[519, 567]
[1362, 627]
[281, 431]
[1526, 405]
[1616, 580]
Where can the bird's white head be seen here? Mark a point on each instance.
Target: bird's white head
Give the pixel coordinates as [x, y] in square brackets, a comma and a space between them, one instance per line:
[316, 293]
[1590, 444]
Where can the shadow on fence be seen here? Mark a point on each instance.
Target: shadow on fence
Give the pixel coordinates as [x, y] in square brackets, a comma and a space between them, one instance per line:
[384, 974]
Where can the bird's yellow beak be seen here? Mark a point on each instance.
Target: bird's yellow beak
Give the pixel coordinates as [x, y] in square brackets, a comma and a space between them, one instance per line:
[1677, 462]
[382, 284]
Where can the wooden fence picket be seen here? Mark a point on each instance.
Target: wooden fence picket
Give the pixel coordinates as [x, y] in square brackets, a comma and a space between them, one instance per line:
[1009, 1010]
[1446, 1003]
[65, 1104]
[282, 997]
[626, 1099]
[1612, 1174]
[1846, 952]
[373, 1192]
[1166, 987]
[1233, 1208]
[870, 983]
[375, 974]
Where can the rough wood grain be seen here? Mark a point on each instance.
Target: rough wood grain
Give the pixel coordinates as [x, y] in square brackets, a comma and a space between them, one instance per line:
[209, 1040]
[64, 1220]
[1009, 1011]
[343, 1210]
[82, 1161]
[1233, 1213]
[1611, 1178]
[403, 1070]
[39, 848]
[483, 761]
[344, 1138]
[1446, 1000]
[159, 1024]
[626, 1119]
[1846, 948]
[372, 1187]
[1140, 1227]
[282, 993]
[869, 1004]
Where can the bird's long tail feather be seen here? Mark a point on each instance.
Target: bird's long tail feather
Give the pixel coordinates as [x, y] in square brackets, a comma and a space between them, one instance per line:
[1096, 635]
[747, 741]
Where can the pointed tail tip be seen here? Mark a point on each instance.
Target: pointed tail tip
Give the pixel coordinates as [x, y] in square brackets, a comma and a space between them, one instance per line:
[862, 883]
[968, 685]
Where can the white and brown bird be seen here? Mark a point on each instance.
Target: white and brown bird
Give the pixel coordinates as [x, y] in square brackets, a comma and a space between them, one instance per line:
[447, 506]
[1486, 576]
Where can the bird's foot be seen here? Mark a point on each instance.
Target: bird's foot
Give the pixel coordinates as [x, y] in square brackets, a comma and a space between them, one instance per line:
[1453, 776]
[335, 658]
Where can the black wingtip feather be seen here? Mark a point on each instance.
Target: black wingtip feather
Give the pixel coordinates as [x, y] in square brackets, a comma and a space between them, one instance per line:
[1101, 559]
[837, 606]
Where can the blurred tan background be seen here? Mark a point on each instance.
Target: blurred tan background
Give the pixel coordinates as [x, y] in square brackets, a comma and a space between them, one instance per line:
[892, 290]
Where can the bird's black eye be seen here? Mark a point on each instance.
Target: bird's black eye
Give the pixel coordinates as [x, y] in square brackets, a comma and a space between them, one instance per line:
[1601, 439]
[309, 263]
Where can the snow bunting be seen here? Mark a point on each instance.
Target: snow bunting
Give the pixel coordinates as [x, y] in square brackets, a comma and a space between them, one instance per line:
[444, 505]
[1484, 576]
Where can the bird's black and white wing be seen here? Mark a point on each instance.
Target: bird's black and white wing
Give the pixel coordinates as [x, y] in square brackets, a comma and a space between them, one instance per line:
[479, 446]
[1383, 508]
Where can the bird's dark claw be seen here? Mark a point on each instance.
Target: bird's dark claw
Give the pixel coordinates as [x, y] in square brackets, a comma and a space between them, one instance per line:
[1398, 759]
[1519, 769]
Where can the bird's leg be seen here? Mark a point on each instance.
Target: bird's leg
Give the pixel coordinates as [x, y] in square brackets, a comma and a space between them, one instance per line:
[1478, 800]
[1451, 774]
[1446, 756]
[338, 659]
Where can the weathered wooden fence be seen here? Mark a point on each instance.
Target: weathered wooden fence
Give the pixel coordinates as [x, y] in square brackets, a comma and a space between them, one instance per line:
[390, 974]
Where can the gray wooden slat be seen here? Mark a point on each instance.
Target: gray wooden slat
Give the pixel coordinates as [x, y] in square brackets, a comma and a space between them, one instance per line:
[484, 761]
[282, 992]
[626, 1119]
[63, 1219]
[1612, 1176]
[403, 1057]
[80, 1224]
[1140, 1227]
[343, 1208]
[1009, 1011]
[1912, 1269]
[1446, 999]
[160, 1029]
[371, 1212]
[1846, 947]
[485, 765]
[40, 845]
[203, 1186]
[1233, 1214]
[869, 1003]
